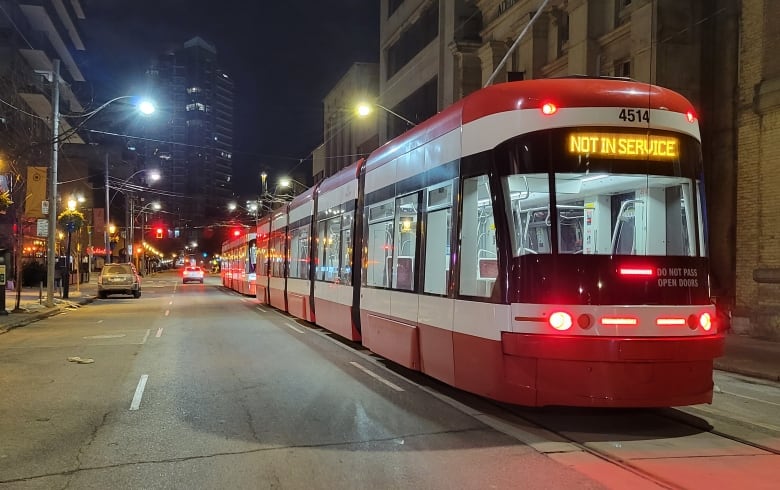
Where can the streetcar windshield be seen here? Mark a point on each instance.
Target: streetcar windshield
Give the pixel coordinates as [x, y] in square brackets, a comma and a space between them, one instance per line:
[596, 205]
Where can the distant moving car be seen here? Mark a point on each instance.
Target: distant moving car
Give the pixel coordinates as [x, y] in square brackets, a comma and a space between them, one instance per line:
[119, 279]
[194, 274]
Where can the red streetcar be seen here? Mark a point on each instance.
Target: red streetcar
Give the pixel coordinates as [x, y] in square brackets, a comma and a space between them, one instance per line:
[539, 242]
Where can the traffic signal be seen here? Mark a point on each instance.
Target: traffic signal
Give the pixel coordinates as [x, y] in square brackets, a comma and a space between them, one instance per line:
[159, 232]
[236, 232]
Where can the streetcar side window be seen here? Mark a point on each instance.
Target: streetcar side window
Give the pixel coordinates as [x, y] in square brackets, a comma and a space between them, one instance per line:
[438, 234]
[404, 257]
[277, 253]
[329, 249]
[379, 249]
[262, 255]
[478, 258]
[345, 271]
[252, 257]
[299, 252]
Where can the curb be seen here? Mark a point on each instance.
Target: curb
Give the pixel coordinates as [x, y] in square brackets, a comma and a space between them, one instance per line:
[730, 368]
[40, 315]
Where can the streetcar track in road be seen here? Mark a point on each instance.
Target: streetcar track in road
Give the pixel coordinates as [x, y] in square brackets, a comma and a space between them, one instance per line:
[750, 398]
[682, 417]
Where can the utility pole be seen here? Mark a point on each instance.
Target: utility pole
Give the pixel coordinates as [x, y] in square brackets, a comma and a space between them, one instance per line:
[55, 128]
[108, 219]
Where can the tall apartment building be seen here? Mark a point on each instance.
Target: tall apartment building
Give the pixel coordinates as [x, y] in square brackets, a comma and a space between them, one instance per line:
[195, 130]
[33, 34]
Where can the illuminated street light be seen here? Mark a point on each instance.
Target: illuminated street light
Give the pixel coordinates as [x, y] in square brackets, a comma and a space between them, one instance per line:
[51, 258]
[363, 109]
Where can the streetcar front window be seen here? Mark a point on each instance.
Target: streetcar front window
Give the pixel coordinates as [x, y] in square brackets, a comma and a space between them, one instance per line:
[565, 197]
[624, 215]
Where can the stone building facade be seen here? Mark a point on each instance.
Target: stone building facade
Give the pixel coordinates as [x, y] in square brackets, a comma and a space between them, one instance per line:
[757, 241]
[434, 52]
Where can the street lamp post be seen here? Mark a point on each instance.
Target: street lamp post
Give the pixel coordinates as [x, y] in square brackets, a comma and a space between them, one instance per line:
[365, 108]
[142, 213]
[55, 126]
[154, 175]
[144, 106]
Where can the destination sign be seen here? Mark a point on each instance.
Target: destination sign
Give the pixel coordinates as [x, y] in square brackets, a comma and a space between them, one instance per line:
[622, 145]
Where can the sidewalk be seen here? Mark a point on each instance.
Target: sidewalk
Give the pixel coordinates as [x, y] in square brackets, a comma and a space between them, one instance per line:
[743, 355]
[32, 304]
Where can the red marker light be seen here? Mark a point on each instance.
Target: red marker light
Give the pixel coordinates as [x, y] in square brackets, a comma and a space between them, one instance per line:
[690, 116]
[236, 232]
[560, 321]
[609, 320]
[636, 271]
[665, 322]
[549, 109]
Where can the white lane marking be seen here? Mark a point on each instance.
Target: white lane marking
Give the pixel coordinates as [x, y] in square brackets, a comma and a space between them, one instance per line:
[167, 312]
[294, 327]
[377, 377]
[100, 321]
[260, 309]
[159, 332]
[118, 336]
[139, 392]
[148, 331]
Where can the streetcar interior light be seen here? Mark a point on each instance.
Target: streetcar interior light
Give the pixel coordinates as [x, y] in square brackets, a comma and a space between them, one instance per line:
[560, 320]
[549, 109]
[619, 320]
[705, 320]
[636, 271]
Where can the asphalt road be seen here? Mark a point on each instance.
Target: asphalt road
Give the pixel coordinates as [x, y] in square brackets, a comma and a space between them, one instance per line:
[195, 387]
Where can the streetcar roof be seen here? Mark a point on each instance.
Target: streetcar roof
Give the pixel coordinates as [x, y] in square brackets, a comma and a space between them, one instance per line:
[530, 94]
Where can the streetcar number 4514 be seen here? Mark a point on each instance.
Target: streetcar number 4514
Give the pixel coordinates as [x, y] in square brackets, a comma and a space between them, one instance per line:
[634, 115]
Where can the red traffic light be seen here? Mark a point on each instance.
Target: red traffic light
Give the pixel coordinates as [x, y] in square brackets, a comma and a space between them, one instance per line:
[159, 232]
[236, 232]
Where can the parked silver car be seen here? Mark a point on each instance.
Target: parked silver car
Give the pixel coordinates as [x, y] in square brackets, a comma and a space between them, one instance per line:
[119, 279]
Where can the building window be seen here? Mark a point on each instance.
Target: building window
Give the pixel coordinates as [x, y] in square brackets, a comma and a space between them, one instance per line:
[622, 12]
[198, 106]
[413, 40]
[392, 6]
[623, 68]
[193, 90]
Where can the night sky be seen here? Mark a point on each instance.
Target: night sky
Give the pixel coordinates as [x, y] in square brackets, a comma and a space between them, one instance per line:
[284, 57]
